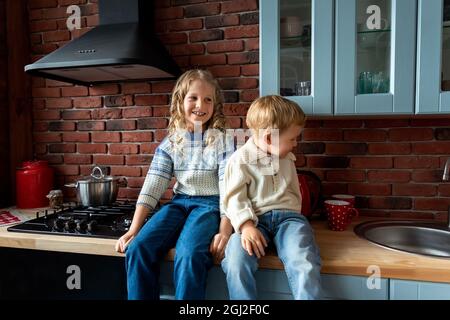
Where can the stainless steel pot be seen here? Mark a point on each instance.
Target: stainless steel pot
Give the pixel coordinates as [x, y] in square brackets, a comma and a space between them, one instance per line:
[97, 190]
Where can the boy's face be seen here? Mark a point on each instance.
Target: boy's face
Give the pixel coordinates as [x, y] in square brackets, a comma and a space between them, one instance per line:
[287, 141]
[198, 103]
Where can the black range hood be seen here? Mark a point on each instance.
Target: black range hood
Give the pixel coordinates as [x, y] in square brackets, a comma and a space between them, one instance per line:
[122, 48]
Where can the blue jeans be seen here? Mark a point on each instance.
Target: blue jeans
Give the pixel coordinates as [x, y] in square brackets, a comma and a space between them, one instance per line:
[187, 223]
[294, 240]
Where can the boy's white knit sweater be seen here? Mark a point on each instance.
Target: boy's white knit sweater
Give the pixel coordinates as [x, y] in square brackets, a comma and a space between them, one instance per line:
[249, 191]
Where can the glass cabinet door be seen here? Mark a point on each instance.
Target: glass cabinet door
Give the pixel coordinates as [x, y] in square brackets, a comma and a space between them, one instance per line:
[295, 47]
[296, 52]
[433, 67]
[375, 56]
[445, 75]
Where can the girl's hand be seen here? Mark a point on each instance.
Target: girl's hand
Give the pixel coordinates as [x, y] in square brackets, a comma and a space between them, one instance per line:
[124, 241]
[218, 245]
[139, 216]
[252, 240]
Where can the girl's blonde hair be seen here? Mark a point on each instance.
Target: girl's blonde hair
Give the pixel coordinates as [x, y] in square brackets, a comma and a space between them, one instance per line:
[177, 120]
[274, 112]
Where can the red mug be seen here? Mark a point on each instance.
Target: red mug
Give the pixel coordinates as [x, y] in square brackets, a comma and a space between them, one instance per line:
[340, 214]
[345, 197]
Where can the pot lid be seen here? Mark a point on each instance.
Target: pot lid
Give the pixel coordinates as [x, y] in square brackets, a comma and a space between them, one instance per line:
[89, 179]
[97, 176]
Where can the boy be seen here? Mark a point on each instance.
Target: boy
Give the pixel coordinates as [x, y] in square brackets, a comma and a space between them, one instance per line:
[262, 200]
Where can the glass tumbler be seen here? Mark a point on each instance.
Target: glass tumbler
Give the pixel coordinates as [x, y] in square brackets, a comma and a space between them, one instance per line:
[365, 82]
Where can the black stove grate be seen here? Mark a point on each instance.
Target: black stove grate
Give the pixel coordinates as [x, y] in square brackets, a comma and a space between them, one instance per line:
[99, 222]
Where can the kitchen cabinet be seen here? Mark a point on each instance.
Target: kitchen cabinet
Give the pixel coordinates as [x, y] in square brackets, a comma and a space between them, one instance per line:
[374, 71]
[345, 287]
[358, 55]
[274, 285]
[418, 290]
[433, 57]
[48, 275]
[38, 274]
[303, 55]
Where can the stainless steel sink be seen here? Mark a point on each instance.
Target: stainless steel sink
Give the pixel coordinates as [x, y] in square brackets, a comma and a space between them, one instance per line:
[424, 238]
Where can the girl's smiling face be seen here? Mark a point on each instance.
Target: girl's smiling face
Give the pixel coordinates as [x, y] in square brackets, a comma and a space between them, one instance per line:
[198, 104]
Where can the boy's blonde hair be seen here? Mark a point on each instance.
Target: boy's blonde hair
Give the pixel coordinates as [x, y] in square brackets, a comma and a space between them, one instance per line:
[177, 120]
[274, 112]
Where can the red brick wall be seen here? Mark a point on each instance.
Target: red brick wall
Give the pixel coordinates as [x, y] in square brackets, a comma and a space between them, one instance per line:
[121, 124]
[393, 166]
[4, 137]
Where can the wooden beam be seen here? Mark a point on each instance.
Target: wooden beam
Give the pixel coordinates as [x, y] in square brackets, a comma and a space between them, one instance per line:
[5, 186]
[19, 86]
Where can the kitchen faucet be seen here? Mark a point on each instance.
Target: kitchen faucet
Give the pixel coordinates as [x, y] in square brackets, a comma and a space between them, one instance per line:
[448, 218]
[445, 176]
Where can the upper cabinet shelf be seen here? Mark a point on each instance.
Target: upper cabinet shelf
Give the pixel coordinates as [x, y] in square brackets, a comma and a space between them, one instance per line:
[348, 57]
[374, 31]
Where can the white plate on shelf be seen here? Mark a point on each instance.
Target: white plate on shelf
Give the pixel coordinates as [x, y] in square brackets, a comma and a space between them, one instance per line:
[373, 40]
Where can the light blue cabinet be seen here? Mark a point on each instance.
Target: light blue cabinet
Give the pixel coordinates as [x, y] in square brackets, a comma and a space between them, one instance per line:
[343, 287]
[274, 285]
[375, 67]
[433, 57]
[304, 52]
[343, 48]
[418, 290]
[363, 57]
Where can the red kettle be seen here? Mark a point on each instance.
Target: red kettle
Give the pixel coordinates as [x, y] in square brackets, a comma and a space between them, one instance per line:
[34, 180]
[310, 191]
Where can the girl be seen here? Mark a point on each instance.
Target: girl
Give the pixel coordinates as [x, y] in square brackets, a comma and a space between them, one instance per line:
[195, 152]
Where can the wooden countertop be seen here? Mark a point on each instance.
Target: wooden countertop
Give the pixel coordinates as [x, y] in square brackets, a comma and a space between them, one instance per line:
[341, 252]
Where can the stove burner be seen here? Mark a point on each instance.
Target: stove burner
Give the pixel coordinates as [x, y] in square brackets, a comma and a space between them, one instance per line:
[101, 222]
[127, 222]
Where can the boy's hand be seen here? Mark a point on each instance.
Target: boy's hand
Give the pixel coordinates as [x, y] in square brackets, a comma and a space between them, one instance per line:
[218, 244]
[252, 239]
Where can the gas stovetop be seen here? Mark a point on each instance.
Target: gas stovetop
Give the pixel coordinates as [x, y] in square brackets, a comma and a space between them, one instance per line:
[100, 222]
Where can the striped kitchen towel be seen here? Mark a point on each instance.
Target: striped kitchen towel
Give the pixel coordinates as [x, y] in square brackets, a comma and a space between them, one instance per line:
[7, 218]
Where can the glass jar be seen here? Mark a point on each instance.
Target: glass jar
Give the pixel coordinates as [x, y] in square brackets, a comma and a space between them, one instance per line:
[303, 88]
[55, 199]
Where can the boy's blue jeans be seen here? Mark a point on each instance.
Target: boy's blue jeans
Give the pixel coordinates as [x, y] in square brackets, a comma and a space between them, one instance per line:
[187, 223]
[294, 240]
